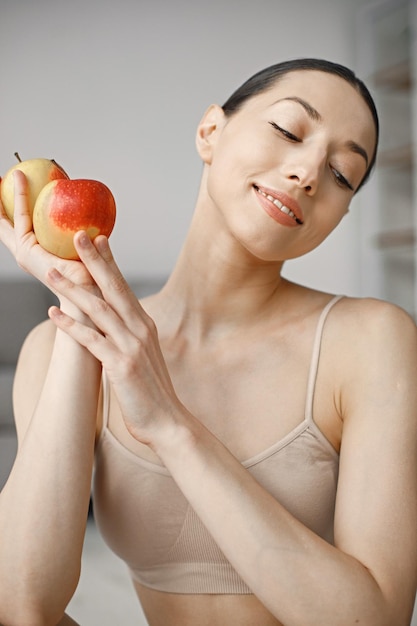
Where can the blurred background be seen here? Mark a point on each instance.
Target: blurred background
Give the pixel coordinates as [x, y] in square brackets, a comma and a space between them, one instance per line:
[113, 90]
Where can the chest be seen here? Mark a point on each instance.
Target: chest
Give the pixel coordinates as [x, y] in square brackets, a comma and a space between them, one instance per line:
[249, 393]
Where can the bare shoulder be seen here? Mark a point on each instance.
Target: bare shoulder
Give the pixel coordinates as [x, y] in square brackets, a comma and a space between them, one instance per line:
[43, 333]
[373, 354]
[367, 323]
[375, 366]
[37, 348]
[31, 370]
[374, 309]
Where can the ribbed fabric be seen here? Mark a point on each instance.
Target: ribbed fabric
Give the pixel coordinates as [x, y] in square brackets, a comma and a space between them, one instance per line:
[195, 563]
[147, 522]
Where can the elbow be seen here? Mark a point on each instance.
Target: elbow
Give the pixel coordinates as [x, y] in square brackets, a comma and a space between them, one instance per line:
[31, 616]
[394, 607]
[30, 609]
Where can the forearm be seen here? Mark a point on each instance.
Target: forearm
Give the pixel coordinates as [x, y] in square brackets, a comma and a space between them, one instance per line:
[298, 576]
[43, 507]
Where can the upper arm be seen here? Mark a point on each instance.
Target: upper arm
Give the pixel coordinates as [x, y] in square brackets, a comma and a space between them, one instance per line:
[376, 508]
[32, 366]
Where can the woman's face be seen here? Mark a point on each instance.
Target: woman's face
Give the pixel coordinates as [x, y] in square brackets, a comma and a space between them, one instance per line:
[282, 171]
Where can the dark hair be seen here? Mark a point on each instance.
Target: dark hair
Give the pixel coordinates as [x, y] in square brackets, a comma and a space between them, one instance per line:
[263, 80]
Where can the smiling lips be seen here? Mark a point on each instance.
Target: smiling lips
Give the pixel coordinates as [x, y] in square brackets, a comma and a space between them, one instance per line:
[285, 215]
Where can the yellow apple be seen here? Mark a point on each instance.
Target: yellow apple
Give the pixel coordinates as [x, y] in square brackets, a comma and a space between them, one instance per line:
[64, 207]
[39, 172]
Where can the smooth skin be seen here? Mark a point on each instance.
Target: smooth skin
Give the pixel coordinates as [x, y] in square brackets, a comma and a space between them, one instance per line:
[212, 370]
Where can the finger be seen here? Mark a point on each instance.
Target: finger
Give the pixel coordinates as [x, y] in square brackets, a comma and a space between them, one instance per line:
[98, 255]
[97, 310]
[3, 214]
[22, 216]
[7, 236]
[8, 231]
[86, 336]
[98, 259]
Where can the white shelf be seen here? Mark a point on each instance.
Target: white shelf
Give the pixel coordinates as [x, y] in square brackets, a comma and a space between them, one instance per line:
[387, 48]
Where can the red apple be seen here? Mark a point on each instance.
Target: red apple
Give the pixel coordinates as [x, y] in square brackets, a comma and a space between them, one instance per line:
[64, 207]
[39, 172]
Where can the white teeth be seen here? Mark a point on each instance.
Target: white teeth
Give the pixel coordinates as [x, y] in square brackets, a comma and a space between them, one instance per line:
[277, 203]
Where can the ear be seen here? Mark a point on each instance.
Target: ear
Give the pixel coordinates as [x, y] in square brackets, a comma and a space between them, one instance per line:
[212, 121]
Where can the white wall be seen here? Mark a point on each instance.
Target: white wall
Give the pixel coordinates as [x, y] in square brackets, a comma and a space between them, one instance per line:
[113, 90]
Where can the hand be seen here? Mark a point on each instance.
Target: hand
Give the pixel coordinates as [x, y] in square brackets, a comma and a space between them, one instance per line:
[21, 242]
[123, 337]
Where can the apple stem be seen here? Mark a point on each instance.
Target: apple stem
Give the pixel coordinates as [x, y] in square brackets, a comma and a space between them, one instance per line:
[59, 167]
[18, 157]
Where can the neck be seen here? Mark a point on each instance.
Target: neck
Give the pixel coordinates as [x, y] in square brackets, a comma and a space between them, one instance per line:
[217, 286]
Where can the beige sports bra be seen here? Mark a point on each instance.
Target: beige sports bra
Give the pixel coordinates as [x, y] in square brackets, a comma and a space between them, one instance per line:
[146, 520]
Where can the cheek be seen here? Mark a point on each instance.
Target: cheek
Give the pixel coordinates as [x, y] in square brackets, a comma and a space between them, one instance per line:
[335, 217]
[327, 223]
[233, 173]
[245, 150]
[225, 174]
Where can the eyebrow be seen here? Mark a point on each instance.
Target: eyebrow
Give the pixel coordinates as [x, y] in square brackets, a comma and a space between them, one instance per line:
[315, 115]
[310, 110]
[355, 147]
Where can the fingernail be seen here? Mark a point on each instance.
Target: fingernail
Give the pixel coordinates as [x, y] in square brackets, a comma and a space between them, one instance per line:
[54, 274]
[101, 243]
[83, 239]
[55, 311]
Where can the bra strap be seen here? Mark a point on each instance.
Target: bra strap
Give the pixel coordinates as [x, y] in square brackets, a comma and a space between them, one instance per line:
[308, 414]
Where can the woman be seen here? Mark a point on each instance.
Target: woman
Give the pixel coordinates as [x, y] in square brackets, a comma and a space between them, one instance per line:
[255, 439]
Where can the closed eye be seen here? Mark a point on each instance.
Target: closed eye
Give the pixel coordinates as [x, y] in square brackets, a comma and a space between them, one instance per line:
[341, 180]
[285, 133]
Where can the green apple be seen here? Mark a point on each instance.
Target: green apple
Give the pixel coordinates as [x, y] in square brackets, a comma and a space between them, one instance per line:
[64, 207]
[39, 172]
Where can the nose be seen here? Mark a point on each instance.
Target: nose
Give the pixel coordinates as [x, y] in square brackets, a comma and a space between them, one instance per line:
[301, 181]
[306, 169]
